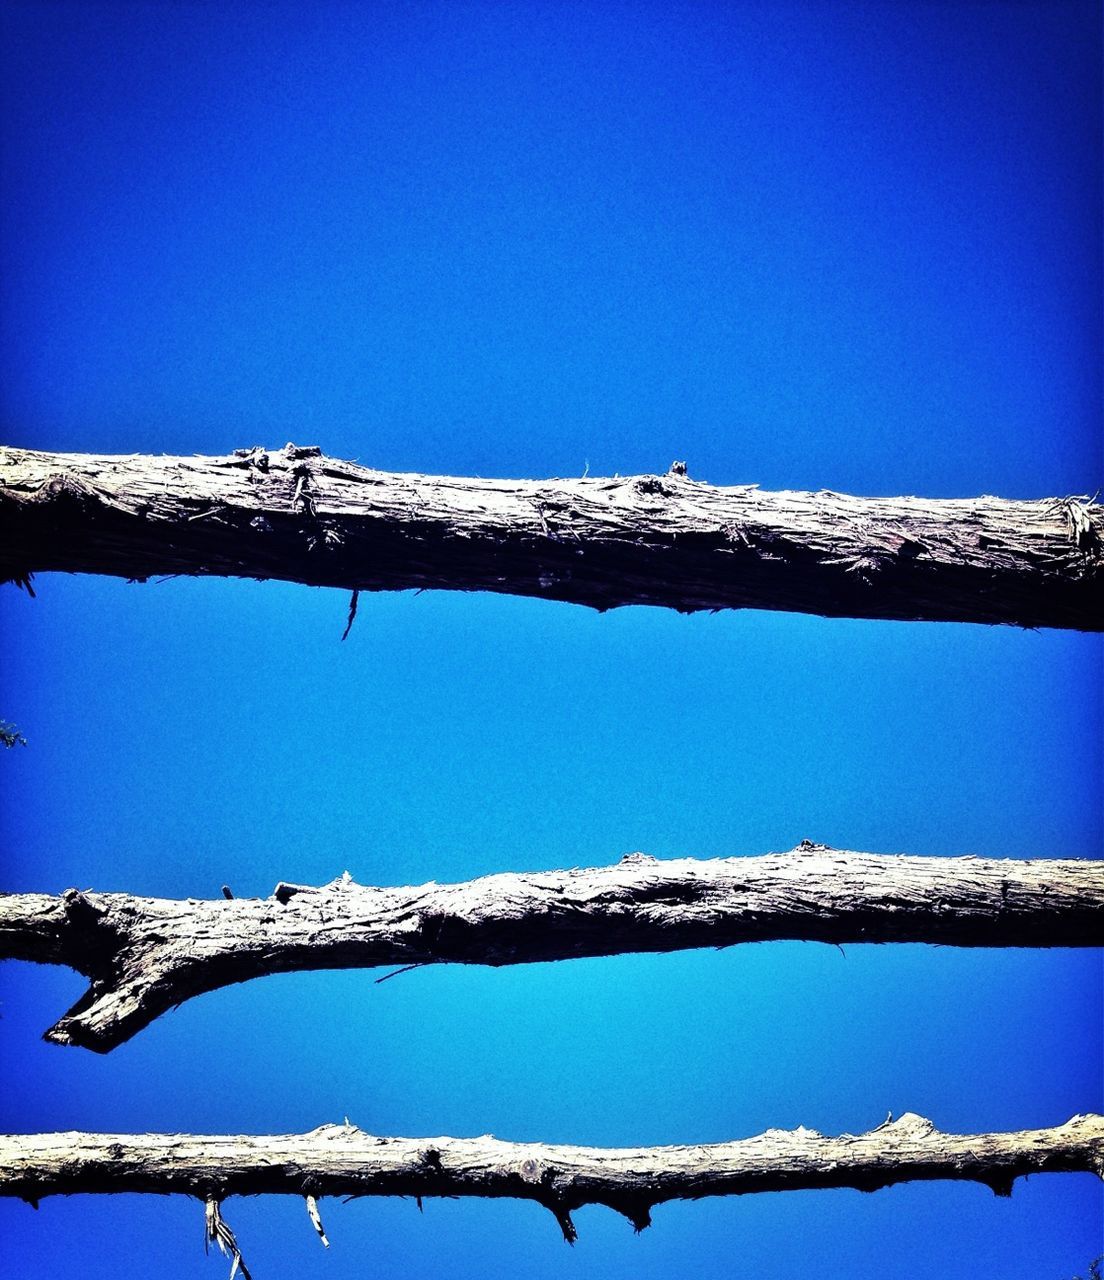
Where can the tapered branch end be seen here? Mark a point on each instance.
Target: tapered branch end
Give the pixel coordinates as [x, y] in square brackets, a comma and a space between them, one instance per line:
[638, 1211]
[74, 1032]
[75, 1028]
[58, 1034]
[563, 1218]
[113, 1009]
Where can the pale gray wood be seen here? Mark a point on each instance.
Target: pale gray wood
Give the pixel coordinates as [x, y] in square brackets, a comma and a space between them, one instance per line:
[665, 540]
[145, 955]
[341, 1160]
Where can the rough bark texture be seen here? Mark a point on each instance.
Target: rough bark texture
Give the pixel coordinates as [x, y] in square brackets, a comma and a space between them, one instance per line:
[145, 955]
[661, 540]
[341, 1160]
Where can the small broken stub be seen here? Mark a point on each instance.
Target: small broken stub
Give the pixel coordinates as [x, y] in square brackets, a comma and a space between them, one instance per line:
[256, 457]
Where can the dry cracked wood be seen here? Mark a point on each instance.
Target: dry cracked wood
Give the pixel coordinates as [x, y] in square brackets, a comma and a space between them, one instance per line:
[341, 1160]
[668, 540]
[145, 955]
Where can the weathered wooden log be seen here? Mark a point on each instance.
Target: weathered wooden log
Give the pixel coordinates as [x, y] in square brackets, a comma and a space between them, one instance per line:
[667, 540]
[146, 955]
[341, 1160]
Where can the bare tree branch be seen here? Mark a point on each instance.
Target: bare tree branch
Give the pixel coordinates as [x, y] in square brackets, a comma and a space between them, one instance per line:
[341, 1160]
[668, 540]
[145, 955]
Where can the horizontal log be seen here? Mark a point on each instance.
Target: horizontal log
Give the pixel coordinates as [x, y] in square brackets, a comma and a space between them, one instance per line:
[145, 955]
[341, 1160]
[665, 540]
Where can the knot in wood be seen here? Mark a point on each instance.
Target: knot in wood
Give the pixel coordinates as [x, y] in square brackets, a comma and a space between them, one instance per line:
[64, 487]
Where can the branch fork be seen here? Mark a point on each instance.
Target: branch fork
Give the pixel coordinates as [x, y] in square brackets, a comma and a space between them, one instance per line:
[143, 956]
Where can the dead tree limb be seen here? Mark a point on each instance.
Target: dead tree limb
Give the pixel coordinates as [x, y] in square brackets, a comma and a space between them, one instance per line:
[341, 1160]
[667, 540]
[145, 955]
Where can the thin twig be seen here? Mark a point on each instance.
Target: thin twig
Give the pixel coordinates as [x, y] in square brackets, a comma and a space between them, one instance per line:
[352, 613]
[395, 973]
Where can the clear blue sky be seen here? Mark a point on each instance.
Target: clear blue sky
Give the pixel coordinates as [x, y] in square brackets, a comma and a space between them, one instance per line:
[850, 246]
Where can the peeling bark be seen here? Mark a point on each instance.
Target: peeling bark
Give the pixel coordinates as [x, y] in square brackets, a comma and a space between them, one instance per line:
[145, 955]
[668, 540]
[341, 1160]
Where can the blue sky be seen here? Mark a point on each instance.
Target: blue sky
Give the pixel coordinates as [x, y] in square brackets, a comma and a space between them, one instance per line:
[855, 247]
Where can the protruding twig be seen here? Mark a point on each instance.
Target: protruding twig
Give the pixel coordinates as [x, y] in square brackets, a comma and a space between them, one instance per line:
[563, 1218]
[316, 1219]
[396, 972]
